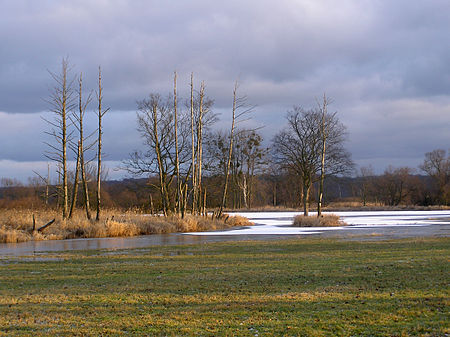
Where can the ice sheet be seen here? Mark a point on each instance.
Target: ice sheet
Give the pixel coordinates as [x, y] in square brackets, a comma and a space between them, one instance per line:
[279, 223]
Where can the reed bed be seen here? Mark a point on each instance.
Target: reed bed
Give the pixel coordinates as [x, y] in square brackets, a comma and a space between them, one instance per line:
[17, 225]
[325, 220]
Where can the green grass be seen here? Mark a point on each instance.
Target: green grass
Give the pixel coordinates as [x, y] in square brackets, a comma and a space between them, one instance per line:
[301, 287]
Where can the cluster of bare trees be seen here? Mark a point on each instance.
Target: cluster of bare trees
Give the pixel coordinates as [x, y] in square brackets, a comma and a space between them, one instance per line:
[311, 147]
[403, 185]
[177, 138]
[67, 133]
[249, 159]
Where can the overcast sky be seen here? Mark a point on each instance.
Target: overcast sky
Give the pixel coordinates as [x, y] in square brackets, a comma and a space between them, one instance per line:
[384, 63]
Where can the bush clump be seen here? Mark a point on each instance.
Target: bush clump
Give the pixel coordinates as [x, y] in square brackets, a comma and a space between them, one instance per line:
[325, 220]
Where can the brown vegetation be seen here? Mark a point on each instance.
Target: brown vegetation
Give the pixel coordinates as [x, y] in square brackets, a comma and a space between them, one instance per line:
[325, 220]
[17, 225]
[356, 205]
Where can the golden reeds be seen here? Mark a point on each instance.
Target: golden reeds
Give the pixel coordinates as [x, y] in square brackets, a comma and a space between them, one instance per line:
[17, 225]
[325, 220]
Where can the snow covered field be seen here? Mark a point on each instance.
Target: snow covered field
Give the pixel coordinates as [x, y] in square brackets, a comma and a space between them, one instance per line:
[279, 223]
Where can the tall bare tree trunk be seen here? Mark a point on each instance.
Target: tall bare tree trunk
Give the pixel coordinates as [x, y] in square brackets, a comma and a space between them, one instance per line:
[47, 185]
[158, 156]
[61, 102]
[306, 189]
[59, 189]
[179, 201]
[185, 193]
[245, 190]
[81, 110]
[230, 151]
[200, 146]
[151, 204]
[204, 204]
[87, 205]
[324, 135]
[64, 103]
[101, 113]
[75, 183]
[194, 169]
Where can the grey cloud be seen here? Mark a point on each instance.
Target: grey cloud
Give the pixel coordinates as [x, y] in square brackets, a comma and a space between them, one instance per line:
[381, 61]
[140, 43]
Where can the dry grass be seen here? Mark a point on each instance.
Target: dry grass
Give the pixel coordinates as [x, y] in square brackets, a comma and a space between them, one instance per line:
[266, 208]
[356, 205]
[16, 225]
[325, 220]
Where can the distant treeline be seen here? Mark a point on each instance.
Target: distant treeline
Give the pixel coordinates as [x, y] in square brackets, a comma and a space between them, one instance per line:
[392, 188]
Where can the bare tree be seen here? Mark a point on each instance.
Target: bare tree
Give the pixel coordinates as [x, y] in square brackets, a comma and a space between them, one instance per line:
[298, 148]
[324, 132]
[239, 112]
[100, 114]
[61, 103]
[202, 117]
[194, 180]
[366, 175]
[180, 199]
[75, 183]
[174, 138]
[78, 122]
[199, 147]
[437, 165]
[249, 157]
[155, 124]
[395, 185]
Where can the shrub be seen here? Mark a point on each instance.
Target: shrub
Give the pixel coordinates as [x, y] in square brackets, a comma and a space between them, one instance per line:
[237, 220]
[325, 220]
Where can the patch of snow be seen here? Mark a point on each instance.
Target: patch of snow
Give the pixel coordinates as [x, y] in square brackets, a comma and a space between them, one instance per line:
[279, 223]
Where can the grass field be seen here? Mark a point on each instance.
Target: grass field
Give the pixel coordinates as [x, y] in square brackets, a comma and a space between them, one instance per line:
[298, 287]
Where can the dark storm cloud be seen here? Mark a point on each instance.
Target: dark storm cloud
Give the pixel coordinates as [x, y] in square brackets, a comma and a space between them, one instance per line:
[385, 63]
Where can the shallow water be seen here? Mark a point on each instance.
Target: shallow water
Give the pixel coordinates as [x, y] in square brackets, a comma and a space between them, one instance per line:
[40, 247]
[268, 226]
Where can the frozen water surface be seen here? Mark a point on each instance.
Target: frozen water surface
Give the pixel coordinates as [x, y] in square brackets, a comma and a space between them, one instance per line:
[279, 223]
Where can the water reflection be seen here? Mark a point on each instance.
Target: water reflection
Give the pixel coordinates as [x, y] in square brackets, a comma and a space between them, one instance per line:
[38, 247]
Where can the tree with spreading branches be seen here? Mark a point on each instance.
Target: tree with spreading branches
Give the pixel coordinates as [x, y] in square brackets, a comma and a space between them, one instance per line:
[299, 148]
